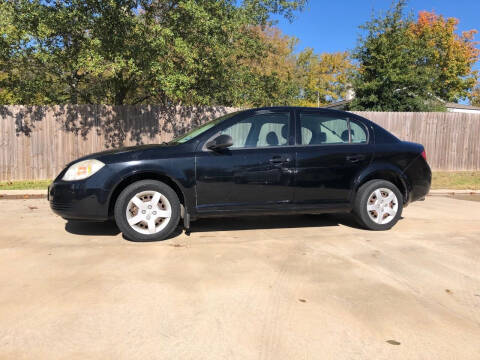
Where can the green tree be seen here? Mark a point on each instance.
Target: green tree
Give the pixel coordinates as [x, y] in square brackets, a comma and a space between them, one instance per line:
[393, 66]
[132, 51]
[6, 49]
[272, 72]
[453, 54]
[475, 96]
[412, 66]
[260, 10]
[323, 78]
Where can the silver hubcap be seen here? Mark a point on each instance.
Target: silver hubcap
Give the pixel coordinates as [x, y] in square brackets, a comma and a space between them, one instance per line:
[148, 212]
[382, 206]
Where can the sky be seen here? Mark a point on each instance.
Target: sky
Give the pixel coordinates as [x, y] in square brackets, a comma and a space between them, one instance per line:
[329, 26]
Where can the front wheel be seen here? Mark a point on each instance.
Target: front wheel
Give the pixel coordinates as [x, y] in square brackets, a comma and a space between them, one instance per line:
[378, 205]
[147, 210]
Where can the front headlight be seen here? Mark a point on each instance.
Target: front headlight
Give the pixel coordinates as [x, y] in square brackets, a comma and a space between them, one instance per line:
[82, 170]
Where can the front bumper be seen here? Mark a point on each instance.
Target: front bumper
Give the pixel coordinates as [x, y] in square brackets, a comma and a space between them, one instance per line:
[79, 200]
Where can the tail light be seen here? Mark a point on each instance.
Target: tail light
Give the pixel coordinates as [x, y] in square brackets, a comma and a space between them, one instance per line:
[424, 155]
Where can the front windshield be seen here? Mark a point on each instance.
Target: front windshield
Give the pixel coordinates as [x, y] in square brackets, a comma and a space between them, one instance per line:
[201, 129]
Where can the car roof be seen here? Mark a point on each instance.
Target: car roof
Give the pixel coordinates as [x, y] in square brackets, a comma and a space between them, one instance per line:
[289, 108]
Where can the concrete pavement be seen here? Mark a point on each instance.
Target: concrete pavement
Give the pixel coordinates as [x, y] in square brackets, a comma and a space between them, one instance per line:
[296, 287]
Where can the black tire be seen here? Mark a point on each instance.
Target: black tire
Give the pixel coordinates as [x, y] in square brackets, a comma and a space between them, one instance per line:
[360, 205]
[129, 192]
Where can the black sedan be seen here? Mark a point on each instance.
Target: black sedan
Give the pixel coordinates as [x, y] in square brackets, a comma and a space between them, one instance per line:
[254, 162]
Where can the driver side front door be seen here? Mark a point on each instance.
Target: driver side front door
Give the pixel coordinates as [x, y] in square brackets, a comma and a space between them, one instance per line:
[256, 173]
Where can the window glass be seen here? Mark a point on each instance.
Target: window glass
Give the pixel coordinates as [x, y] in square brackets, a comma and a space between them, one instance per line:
[358, 133]
[260, 130]
[319, 129]
[239, 133]
[306, 135]
[201, 129]
[271, 134]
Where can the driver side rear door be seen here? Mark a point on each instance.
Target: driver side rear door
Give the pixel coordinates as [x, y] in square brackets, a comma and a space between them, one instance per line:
[333, 148]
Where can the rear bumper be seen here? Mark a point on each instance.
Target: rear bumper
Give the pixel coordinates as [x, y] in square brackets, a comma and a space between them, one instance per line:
[420, 178]
[79, 200]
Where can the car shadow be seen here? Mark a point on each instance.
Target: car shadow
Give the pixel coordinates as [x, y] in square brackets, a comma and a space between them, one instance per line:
[272, 222]
[109, 228]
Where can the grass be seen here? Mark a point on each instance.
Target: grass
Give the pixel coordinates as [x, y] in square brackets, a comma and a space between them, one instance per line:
[457, 180]
[25, 185]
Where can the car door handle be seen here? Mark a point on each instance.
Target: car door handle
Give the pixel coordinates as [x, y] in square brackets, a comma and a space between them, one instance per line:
[355, 158]
[279, 160]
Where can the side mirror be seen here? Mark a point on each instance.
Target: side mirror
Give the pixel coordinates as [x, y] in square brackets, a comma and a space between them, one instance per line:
[220, 142]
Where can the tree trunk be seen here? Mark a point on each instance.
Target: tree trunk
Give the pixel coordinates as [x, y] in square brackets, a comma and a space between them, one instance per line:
[120, 95]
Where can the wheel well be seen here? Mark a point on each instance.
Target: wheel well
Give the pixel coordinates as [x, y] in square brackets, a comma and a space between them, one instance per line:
[388, 176]
[143, 176]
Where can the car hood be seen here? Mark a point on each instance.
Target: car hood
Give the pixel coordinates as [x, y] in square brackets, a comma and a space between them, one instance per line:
[126, 152]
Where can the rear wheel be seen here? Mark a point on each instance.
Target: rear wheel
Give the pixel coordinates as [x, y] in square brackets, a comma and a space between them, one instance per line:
[378, 205]
[147, 210]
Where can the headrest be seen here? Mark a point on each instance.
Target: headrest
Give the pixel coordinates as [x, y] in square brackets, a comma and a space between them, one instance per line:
[322, 136]
[318, 138]
[272, 139]
[285, 131]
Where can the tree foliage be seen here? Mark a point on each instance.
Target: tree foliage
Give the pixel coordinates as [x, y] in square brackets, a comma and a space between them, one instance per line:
[475, 96]
[412, 66]
[452, 54]
[270, 77]
[324, 78]
[224, 52]
[134, 51]
[260, 10]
